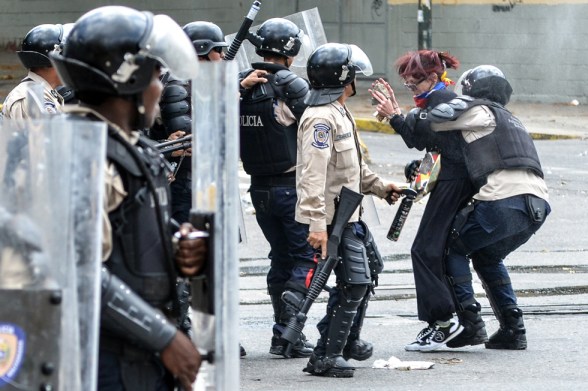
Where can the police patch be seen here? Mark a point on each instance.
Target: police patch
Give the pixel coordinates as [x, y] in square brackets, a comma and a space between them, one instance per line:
[12, 349]
[321, 136]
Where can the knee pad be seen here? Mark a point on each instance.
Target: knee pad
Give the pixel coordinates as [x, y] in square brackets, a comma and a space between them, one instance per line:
[352, 294]
[375, 261]
[353, 268]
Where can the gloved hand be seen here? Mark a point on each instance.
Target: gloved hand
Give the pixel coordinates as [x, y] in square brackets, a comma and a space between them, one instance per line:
[411, 170]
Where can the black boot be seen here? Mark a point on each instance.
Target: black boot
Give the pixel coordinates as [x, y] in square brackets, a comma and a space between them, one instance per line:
[357, 349]
[474, 332]
[282, 313]
[327, 359]
[512, 334]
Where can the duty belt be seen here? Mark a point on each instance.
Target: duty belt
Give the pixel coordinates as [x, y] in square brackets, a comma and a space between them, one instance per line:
[286, 179]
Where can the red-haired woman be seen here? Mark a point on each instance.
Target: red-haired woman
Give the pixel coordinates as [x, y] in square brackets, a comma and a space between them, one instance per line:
[425, 75]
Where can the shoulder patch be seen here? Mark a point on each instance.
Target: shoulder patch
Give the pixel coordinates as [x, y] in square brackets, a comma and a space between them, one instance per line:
[321, 136]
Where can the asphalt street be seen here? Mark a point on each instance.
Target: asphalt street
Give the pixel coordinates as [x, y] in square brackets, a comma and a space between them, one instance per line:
[549, 274]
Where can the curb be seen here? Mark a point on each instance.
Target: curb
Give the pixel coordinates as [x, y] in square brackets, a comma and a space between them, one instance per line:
[373, 125]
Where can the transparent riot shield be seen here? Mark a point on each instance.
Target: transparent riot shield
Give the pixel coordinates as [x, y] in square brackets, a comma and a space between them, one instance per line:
[50, 245]
[35, 101]
[215, 207]
[308, 21]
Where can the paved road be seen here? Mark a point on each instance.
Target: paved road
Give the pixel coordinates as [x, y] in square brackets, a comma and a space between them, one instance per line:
[549, 273]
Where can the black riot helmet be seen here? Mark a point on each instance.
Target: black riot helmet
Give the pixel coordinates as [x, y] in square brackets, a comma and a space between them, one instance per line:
[487, 82]
[113, 51]
[279, 36]
[37, 45]
[330, 68]
[205, 36]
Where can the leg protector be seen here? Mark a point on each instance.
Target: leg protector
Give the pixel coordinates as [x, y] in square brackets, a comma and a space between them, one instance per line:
[357, 348]
[354, 268]
[332, 364]
[375, 260]
[512, 334]
[489, 287]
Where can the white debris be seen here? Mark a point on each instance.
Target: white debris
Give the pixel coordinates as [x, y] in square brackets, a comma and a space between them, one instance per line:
[395, 363]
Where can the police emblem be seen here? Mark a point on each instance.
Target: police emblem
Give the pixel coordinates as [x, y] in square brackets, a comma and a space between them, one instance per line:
[321, 136]
[12, 349]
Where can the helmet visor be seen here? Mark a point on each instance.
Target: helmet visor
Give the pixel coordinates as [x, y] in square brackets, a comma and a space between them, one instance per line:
[305, 50]
[458, 89]
[360, 61]
[168, 44]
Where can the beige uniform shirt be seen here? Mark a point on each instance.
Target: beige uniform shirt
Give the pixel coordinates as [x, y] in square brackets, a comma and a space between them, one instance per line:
[476, 123]
[328, 159]
[114, 191]
[17, 106]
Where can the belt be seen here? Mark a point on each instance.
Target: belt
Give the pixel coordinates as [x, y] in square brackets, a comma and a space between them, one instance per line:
[287, 179]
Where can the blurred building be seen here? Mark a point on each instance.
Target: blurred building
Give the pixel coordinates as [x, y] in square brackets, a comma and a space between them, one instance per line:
[539, 44]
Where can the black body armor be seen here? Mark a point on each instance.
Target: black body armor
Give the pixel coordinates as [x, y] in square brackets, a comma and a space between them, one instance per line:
[508, 146]
[267, 147]
[141, 254]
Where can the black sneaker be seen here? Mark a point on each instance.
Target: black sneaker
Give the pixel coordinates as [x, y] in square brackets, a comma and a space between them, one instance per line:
[420, 338]
[440, 335]
[242, 352]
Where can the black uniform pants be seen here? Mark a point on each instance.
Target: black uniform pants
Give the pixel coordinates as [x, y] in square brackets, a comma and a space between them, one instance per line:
[434, 300]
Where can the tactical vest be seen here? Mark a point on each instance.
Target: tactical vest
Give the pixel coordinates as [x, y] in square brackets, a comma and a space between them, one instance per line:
[141, 254]
[509, 146]
[267, 147]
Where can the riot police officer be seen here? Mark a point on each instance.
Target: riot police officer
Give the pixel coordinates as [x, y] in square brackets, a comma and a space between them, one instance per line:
[175, 106]
[112, 61]
[34, 55]
[176, 122]
[510, 204]
[271, 104]
[328, 159]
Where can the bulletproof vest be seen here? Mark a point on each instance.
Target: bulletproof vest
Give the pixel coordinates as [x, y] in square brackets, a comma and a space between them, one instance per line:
[141, 254]
[267, 147]
[509, 146]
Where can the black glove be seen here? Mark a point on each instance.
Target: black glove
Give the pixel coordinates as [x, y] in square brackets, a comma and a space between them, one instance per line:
[411, 170]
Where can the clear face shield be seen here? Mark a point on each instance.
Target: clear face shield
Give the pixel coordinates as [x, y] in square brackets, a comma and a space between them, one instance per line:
[458, 89]
[66, 29]
[306, 48]
[360, 61]
[168, 44]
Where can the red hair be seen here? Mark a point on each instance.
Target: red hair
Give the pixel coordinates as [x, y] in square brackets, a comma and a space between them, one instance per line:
[424, 62]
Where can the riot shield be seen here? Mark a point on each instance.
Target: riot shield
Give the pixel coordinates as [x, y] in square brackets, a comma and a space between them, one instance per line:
[308, 21]
[50, 242]
[215, 207]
